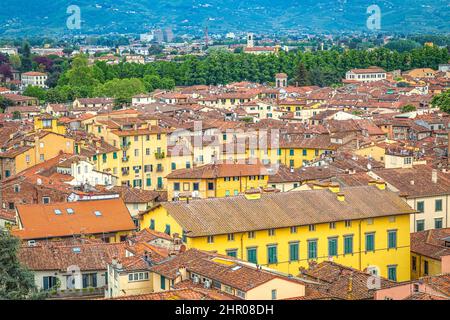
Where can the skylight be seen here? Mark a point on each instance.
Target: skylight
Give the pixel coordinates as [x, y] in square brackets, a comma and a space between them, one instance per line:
[76, 250]
[97, 213]
[69, 210]
[57, 211]
[236, 268]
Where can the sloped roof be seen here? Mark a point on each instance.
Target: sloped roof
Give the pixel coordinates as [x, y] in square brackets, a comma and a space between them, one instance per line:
[41, 221]
[278, 210]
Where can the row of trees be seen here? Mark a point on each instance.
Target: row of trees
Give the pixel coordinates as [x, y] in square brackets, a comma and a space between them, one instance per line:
[322, 68]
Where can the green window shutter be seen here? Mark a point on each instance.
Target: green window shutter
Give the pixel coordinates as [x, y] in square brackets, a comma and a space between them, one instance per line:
[312, 249]
[149, 182]
[152, 224]
[94, 157]
[293, 252]
[305, 152]
[251, 255]
[272, 254]
[163, 283]
[115, 155]
[348, 245]
[370, 242]
[332, 247]
[392, 239]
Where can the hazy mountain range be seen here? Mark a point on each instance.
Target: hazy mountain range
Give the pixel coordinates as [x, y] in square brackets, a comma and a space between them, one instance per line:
[48, 17]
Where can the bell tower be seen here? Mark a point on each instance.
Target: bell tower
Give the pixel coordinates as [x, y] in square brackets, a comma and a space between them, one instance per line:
[250, 40]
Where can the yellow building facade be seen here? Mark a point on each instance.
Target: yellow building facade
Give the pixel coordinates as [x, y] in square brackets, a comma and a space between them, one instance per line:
[376, 242]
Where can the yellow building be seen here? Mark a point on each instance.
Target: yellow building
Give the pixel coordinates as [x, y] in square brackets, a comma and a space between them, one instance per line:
[48, 123]
[216, 180]
[361, 227]
[34, 149]
[293, 151]
[142, 157]
[430, 253]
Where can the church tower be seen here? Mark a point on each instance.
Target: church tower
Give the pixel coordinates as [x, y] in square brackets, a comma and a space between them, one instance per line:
[250, 40]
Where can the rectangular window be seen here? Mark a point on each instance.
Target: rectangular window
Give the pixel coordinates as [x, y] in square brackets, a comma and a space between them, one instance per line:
[163, 283]
[348, 244]
[420, 206]
[293, 251]
[251, 235]
[210, 186]
[425, 268]
[312, 227]
[392, 273]
[271, 232]
[232, 253]
[251, 255]
[438, 205]
[176, 186]
[274, 294]
[272, 254]
[438, 223]
[332, 247]
[348, 223]
[332, 225]
[230, 237]
[392, 239]
[195, 186]
[210, 239]
[188, 165]
[167, 230]
[152, 224]
[414, 263]
[370, 242]
[291, 163]
[312, 249]
[420, 225]
[174, 166]
[304, 152]
[293, 229]
[291, 152]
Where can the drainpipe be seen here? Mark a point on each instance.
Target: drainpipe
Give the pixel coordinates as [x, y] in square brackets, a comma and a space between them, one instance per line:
[360, 249]
[242, 246]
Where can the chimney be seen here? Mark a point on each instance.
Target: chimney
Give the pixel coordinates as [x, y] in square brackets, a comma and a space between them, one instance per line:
[411, 182]
[341, 196]
[434, 176]
[182, 273]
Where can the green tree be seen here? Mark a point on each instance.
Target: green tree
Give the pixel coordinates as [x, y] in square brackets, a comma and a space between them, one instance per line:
[120, 89]
[408, 108]
[16, 282]
[15, 61]
[37, 92]
[442, 101]
[16, 115]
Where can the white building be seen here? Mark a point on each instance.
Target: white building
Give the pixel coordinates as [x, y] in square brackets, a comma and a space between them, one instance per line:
[33, 78]
[84, 172]
[366, 75]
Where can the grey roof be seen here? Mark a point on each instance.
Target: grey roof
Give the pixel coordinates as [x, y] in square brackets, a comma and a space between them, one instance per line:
[279, 210]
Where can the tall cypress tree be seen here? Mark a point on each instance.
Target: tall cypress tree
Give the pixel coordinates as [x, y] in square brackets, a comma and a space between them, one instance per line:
[302, 75]
[16, 282]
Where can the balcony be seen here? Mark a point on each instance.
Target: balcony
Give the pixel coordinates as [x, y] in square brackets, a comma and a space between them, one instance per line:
[160, 155]
[125, 159]
[125, 145]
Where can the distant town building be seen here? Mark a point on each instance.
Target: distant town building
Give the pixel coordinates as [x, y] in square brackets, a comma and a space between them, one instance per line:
[366, 75]
[36, 79]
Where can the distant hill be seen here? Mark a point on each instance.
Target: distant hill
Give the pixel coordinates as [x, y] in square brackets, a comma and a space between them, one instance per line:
[48, 17]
